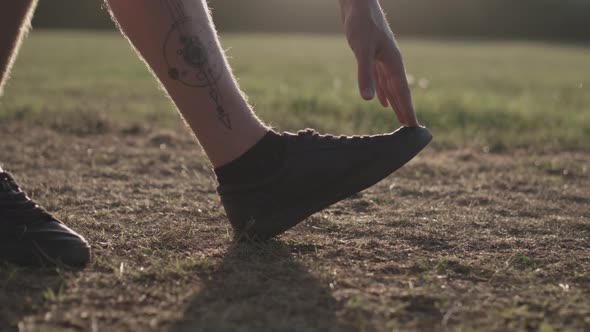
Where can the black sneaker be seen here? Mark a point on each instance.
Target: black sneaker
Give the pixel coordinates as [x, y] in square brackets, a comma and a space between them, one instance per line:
[29, 235]
[318, 171]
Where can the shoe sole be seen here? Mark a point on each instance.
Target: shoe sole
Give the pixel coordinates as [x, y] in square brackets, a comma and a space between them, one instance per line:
[31, 254]
[76, 257]
[415, 139]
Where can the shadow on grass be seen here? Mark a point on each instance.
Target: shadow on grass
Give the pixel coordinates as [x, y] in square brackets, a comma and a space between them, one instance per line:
[260, 287]
[24, 291]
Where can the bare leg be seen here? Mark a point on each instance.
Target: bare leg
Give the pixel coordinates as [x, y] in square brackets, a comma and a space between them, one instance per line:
[44, 240]
[178, 41]
[15, 18]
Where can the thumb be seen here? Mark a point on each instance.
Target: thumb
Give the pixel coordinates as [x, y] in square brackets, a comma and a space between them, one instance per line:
[366, 76]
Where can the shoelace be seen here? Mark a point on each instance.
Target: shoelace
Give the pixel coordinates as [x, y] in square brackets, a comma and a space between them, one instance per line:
[7, 183]
[312, 134]
[16, 206]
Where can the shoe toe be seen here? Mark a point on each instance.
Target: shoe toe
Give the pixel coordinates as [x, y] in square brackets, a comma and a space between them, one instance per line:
[414, 137]
[56, 243]
[400, 146]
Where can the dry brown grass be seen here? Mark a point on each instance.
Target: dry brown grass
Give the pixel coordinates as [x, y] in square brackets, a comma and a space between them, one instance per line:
[457, 240]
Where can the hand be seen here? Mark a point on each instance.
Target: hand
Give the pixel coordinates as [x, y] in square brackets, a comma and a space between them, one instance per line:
[380, 66]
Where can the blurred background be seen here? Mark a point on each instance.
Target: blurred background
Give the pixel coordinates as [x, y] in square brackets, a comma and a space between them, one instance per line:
[538, 19]
[494, 74]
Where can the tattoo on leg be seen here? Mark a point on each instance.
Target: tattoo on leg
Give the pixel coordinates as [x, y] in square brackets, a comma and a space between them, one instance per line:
[188, 57]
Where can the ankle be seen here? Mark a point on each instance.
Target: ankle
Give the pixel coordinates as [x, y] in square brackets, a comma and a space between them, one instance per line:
[223, 147]
[258, 162]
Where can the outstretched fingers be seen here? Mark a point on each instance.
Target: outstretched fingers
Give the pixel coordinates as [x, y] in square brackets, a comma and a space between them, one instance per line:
[398, 91]
[366, 79]
[380, 84]
[387, 92]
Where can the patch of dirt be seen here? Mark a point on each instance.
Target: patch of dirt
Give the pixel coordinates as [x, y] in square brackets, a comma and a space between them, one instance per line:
[457, 239]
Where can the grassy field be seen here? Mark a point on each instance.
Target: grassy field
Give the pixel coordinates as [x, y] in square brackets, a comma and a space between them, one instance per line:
[488, 229]
[486, 93]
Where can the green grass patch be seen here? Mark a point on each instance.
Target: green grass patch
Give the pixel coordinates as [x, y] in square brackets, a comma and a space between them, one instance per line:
[495, 94]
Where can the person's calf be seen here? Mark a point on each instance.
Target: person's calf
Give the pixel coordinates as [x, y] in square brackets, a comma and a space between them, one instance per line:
[178, 41]
[15, 19]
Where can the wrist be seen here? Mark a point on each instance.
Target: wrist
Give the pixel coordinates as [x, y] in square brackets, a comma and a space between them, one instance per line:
[367, 8]
[354, 7]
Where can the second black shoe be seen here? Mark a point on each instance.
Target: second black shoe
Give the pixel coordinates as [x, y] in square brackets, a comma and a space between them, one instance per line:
[29, 235]
[317, 171]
